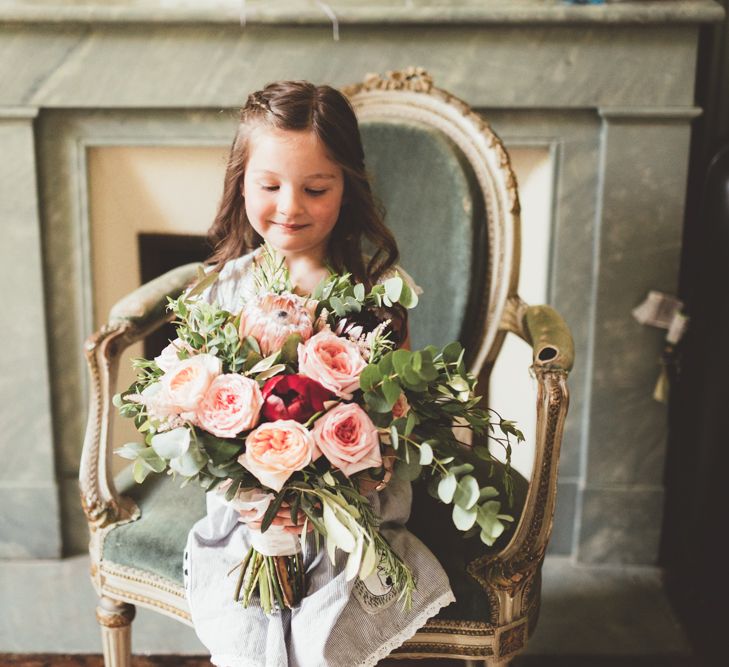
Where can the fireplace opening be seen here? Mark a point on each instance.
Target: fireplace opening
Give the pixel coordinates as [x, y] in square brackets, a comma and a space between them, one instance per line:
[159, 253]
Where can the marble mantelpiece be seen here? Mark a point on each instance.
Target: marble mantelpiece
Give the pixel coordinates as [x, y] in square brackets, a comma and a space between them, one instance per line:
[608, 89]
[349, 12]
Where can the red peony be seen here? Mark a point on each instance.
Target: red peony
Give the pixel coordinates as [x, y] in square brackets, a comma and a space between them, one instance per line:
[294, 397]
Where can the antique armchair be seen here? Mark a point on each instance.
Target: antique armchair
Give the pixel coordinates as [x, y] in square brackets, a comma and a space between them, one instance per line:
[451, 196]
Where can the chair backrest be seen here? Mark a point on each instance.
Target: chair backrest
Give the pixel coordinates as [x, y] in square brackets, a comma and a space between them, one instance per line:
[451, 198]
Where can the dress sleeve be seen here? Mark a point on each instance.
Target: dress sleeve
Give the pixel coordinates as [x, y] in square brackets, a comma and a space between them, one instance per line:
[231, 289]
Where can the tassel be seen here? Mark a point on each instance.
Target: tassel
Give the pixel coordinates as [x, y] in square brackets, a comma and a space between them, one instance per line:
[660, 393]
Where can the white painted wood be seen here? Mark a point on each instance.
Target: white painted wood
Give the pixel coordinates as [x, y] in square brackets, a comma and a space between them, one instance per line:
[116, 619]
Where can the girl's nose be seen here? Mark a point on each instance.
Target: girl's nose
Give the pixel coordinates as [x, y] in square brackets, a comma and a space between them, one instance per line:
[289, 203]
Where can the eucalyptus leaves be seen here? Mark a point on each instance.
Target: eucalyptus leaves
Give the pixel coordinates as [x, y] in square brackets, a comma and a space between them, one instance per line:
[438, 393]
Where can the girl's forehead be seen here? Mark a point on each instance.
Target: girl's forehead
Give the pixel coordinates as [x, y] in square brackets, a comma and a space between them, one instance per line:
[271, 146]
[271, 137]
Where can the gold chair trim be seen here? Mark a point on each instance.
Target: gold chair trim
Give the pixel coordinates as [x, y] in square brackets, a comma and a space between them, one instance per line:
[147, 589]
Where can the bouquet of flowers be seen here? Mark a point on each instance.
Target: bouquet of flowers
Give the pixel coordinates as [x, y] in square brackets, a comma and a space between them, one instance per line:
[304, 405]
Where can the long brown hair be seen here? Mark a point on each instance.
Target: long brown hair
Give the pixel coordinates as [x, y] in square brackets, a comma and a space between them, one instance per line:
[300, 105]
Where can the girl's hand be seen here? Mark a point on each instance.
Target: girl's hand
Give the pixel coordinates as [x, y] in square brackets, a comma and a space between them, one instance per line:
[365, 484]
[282, 518]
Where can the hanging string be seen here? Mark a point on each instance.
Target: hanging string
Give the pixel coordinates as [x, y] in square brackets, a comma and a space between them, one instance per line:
[326, 8]
[242, 13]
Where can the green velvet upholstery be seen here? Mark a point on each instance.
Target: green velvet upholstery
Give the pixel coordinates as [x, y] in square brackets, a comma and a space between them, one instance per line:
[435, 209]
[156, 541]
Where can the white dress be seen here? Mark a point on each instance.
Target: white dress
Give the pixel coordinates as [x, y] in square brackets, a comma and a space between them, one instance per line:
[339, 623]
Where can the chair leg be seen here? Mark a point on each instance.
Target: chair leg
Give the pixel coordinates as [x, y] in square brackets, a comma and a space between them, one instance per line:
[115, 619]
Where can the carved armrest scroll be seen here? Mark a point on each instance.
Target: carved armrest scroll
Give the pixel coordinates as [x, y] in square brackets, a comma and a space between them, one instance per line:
[544, 329]
[131, 319]
[550, 338]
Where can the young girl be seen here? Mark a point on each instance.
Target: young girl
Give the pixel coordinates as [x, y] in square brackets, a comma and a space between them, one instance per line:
[296, 179]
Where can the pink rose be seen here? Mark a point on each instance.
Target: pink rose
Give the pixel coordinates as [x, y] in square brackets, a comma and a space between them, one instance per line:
[231, 405]
[184, 386]
[335, 363]
[277, 449]
[401, 407]
[348, 438]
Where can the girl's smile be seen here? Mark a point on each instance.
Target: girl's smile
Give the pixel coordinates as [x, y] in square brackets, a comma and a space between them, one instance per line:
[293, 191]
[290, 227]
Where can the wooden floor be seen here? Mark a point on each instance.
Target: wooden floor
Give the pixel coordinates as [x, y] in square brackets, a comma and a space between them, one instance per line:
[51, 660]
[57, 660]
[162, 661]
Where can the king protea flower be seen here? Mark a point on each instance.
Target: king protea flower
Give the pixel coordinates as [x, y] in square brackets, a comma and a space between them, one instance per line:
[272, 318]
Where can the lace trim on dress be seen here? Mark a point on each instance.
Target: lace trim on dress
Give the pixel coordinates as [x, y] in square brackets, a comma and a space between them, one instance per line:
[228, 660]
[401, 637]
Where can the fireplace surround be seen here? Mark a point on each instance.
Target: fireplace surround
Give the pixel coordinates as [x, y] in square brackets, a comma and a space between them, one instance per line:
[607, 90]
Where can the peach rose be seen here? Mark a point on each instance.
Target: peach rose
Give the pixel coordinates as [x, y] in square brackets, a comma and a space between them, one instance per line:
[277, 449]
[348, 438]
[335, 363]
[232, 404]
[184, 386]
[401, 407]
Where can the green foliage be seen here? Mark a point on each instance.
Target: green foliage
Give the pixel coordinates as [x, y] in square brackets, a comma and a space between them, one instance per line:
[391, 390]
[370, 378]
[441, 394]
[273, 508]
[219, 451]
[467, 492]
[270, 273]
[409, 467]
[203, 282]
[339, 296]
[290, 349]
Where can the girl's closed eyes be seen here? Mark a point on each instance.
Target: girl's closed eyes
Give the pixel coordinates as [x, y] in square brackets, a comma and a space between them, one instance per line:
[309, 191]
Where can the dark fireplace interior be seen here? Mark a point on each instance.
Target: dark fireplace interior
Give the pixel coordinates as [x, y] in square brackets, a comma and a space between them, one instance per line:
[159, 253]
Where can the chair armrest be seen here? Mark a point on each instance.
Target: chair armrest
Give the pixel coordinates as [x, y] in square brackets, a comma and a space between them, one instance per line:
[549, 337]
[509, 573]
[146, 307]
[131, 319]
[544, 329]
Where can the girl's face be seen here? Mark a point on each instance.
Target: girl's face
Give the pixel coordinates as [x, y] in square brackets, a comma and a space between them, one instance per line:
[292, 190]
